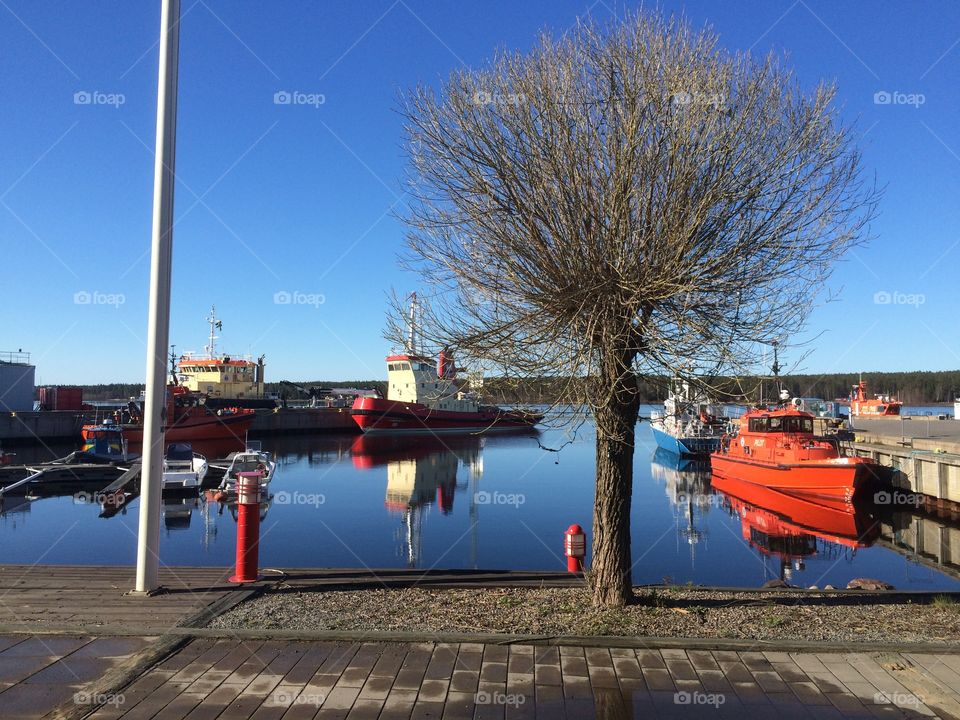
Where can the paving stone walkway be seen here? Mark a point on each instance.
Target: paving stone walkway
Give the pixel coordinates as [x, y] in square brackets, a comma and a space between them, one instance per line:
[232, 679]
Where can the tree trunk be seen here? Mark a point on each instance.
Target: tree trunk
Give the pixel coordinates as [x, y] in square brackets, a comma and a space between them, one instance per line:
[616, 422]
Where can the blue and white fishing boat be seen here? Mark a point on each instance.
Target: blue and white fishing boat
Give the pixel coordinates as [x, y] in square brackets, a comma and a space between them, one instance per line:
[690, 424]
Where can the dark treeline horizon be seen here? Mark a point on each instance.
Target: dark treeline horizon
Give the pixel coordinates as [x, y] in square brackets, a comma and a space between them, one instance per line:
[912, 388]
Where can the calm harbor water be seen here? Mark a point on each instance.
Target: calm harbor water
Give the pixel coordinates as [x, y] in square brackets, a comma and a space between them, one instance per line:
[497, 502]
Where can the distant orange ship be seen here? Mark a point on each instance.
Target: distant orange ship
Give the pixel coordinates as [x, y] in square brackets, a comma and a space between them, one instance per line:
[877, 406]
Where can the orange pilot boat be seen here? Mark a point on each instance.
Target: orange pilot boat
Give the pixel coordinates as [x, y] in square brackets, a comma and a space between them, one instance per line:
[776, 448]
[877, 406]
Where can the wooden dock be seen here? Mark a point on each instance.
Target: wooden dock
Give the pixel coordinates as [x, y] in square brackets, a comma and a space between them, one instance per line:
[75, 644]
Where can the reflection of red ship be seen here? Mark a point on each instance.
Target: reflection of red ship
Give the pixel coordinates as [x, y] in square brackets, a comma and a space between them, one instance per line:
[776, 448]
[369, 451]
[421, 471]
[788, 527]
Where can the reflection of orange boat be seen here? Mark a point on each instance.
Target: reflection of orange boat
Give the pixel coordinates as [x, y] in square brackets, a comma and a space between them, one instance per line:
[776, 448]
[776, 522]
[879, 406]
[792, 529]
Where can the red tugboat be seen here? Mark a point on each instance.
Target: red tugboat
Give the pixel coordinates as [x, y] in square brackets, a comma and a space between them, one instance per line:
[424, 396]
[776, 448]
[879, 406]
[192, 420]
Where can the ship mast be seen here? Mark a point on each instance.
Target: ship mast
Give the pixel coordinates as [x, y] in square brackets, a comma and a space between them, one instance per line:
[211, 346]
[412, 341]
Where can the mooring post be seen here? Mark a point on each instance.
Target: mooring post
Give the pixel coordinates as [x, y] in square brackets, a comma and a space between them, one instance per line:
[248, 528]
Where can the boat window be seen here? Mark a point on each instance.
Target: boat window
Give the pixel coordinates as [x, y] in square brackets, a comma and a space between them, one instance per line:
[806, 425]
[404, 366]
[776, 424]
[759, 424]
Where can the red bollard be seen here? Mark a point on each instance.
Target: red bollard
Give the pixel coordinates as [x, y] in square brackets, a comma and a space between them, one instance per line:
[248, 527]
[575, 548]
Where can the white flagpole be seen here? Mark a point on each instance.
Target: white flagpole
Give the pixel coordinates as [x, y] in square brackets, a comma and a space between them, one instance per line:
[158, 332]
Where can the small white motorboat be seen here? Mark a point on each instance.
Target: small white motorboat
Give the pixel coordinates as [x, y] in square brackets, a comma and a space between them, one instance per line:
[252, 459]
[183, 468]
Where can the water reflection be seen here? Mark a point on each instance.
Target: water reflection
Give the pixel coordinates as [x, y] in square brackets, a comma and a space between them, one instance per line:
[782, 529]
[421, 472]
[448, 502]
[687, 485]
[790, 530]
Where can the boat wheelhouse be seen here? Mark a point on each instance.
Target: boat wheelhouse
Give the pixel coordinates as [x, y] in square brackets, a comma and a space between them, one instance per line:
[219, 376]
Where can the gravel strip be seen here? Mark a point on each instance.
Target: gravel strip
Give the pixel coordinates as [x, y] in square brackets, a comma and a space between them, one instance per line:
[668, 612]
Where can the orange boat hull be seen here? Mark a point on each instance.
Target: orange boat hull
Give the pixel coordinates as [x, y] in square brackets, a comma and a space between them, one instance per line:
[838, 482]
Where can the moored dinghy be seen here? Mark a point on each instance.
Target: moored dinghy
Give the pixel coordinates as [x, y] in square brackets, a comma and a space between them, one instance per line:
[183, 469]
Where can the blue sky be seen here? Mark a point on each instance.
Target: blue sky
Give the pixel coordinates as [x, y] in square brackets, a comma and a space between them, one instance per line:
[297, 198]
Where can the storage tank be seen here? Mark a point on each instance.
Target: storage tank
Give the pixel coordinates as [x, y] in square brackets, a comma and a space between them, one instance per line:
[16, 382]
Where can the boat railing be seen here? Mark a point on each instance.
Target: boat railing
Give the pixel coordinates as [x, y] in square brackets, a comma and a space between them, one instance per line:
[15, 357]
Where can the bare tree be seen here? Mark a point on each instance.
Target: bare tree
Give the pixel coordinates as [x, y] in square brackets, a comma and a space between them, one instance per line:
[625, 201]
